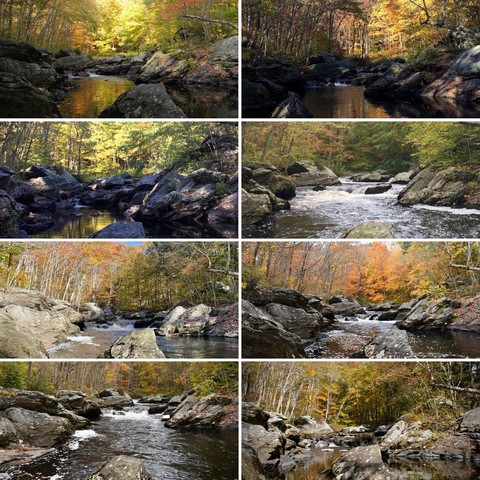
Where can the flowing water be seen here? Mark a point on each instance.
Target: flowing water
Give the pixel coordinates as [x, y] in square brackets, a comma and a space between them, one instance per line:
[311, 468]
[93, 95]
[97, 92]
[168, 454]
[329, 213]
[348, 101]
[348, 336]
[95, 339]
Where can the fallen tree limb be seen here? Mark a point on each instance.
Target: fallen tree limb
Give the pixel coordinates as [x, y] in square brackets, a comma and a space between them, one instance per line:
[211, 20]
[464, 267]
[473, 391]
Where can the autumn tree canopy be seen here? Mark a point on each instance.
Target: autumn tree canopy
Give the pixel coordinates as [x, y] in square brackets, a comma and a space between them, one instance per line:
[155, 276]
[91, 149]
[359, 28]
[358, 147]
[371, 273]
[105, 27]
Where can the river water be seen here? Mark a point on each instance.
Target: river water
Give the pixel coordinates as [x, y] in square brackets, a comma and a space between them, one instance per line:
[168, 454]
[329, 213]
[348, 337]
[94, 340]
[311, 468]
[97, 92]
[348, 101]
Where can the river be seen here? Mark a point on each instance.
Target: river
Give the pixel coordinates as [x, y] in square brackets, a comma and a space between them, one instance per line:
[347, 337]
[329, 213]
[168, 454]
[312, 466]
[95, 339]
[348, 101]
[97, 92]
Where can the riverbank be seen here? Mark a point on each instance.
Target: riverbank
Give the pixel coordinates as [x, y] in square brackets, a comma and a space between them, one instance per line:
[394, 88]
[274, 446]
[35, 83]
[283, 323]
[118, 425]
[35, 326]
[307, 201]
[48, 201]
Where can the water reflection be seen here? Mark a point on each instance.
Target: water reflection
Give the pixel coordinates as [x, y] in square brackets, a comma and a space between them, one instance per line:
[94, 94]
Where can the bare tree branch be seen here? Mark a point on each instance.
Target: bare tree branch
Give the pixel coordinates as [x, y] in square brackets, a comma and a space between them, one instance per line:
[212, 20]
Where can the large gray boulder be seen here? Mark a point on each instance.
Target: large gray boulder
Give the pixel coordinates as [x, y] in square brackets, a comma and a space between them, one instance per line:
[39, 75]
[252, 469]
[445, 188]
[427, 314]
[8, 432]
[205, 412]
[404, 436]
[343, 305]
[144, 101]
[470, 424]
[269, 444]
[308, 427]
[255, 207]
[111, 398]
[47, 178]
[361, 463]
[307, 175]
[194, 321]
[121, 467]
[91, 312]
[325, 68]
[263, 337]
[291, 107]
[122, 230]
[78, 403]
[137, 344]
[268, 176]
[371, 229]
[389, 344]
[164, 66]
[73, 60]
[10, 213]
[296, 320]
[39, 429]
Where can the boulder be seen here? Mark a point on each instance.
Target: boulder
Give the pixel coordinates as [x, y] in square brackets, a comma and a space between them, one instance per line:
[194, 321]
[429, 315]
[21, 51]
[308, 427]
[31, 400]
[121, 467]
[8, 432]
[111, 398]
[389, 344]
[268, 176]
[269, 444]
[205, 412]
[262, 296]
[371, 229]
[50, 179]
[253, 414]
[20, 99]
[405, 177]
[252, 469]
[291, 107]
[166, 67]
[79, 404]
[263, 337]
[403, 436]
[380, 188]
[361, 463]
[445, 188]
[10, 213]
[39, 429]
[296, 320]
[144, 101]
[470, 424]
[325, 68]
[342, 305]
[39, 75]
[306, 175]
[72, 60]
[374, 177]
[121, 230]
[91, 312]
[255, 207]
[223, 217]
[137, 344]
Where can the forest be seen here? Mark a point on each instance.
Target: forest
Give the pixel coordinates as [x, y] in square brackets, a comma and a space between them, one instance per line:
[356, 393]
[137, 378]
[358, 147]
[124, 276]
[361, 29]
[106, 27]
[92, 149]
[369, 272]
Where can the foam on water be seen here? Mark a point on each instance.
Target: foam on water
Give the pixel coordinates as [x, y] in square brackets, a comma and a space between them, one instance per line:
[82, 339]
[85, 434]
[453, 211]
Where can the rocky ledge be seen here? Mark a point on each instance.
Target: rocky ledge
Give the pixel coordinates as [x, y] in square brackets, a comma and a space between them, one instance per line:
[204, 200]
[273, 445]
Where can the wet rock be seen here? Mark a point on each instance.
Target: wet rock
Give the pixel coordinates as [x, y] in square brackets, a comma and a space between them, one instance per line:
[37, 74]
[326, 68]
[72, 60]
[78, 403]
[405, 177]
[223, 217]
[268, 176]
[370, 229]
[122, 230]
[374, 177]
[39, 429]
[426, 314]
[21, 51]
[390, 344]
[263, 337]
[252, 469]
[20, 99]
[144, 101]
[291, 107]
[445, 188]
[193, 412]
[306, 175]
[137, 344]
[50, 179]
[111, 398]
[380, 188]
[262, 296]
[361, 463]
[121, 468]
[10, 214]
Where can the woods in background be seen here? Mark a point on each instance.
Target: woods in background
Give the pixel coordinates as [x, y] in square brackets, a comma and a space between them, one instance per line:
[136, 378]
[345, 394]
[370, 273]
[91, 149]
[103, 27]
[155, 276]
[358, 28]
[357, 147]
